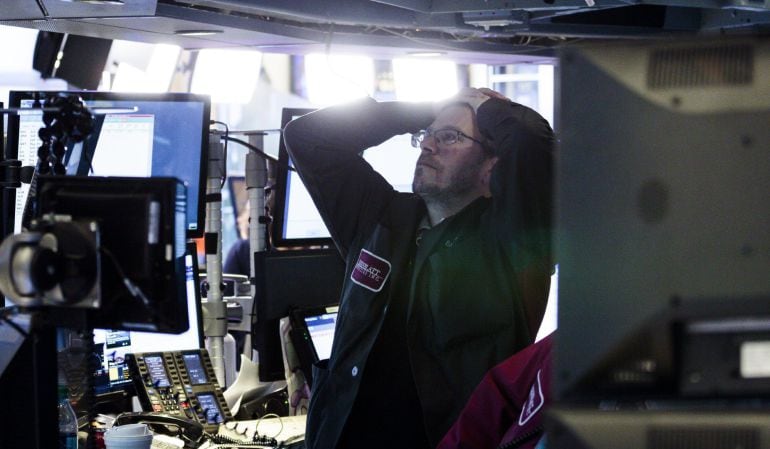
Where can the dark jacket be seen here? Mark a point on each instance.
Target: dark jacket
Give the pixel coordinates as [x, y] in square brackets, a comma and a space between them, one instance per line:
[478, 282]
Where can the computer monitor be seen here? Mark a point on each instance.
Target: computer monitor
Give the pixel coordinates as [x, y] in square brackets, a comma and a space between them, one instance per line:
[296, 220]
[287, 280]
[138, 134]
[139, 246]
[112, 376]
[663, 212]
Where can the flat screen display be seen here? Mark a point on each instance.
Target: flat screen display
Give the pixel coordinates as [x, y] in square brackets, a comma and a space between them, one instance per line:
[134, 135]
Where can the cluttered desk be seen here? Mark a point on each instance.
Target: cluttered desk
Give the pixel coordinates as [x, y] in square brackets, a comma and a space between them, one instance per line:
[100, 272]
[185, 407]
[185, 402]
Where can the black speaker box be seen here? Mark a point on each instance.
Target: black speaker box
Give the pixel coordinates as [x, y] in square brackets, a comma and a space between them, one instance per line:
[82, 58]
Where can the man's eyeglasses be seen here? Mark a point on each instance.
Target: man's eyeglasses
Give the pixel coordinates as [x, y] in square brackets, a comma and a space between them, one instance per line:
[443, 136]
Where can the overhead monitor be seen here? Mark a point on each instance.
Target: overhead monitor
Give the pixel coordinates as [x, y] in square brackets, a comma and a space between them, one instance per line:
[136, 135]
[296, 220]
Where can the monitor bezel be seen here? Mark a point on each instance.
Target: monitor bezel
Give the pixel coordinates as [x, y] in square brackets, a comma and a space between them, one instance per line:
[6, 195]
[278, 294]
[16, 97]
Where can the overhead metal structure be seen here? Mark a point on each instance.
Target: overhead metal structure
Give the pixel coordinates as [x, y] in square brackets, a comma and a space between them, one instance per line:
[488, 29]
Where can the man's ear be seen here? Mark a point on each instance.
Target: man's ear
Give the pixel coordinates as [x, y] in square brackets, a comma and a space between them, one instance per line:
[486, 174]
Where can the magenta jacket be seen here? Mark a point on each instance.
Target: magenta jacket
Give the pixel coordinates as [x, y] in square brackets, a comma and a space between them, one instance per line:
[506, 409]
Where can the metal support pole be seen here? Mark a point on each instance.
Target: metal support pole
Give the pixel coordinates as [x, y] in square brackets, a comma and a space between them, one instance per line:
[256, 180]
[215, 318]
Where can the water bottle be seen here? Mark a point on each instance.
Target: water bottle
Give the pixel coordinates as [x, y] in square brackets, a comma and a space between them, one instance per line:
[68, 421]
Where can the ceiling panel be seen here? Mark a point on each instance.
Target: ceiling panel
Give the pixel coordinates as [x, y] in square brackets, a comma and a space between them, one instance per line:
[470, 30]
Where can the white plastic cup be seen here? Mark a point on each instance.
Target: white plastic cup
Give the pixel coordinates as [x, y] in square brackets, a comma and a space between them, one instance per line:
[130, 436]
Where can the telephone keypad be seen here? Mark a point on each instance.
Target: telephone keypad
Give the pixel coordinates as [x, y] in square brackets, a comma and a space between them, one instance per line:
[173, 382]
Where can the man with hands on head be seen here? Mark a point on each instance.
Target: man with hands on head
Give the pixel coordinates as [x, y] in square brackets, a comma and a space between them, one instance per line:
[441, 284]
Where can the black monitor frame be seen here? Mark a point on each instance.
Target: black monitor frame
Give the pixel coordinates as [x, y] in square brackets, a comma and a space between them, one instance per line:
[662, 206]
[16, 97]
[139, 240]
[302, 339]
[6, 195]
[286, 280]
[281, 194]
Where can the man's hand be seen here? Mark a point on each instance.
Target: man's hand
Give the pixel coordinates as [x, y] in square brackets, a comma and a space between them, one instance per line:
[471, 96]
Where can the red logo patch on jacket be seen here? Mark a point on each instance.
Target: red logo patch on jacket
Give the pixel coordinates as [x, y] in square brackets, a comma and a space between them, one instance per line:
[371, 271]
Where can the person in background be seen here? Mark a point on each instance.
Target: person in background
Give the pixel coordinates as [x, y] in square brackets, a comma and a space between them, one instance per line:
[507, 408]
[442, 283]
[238, 259]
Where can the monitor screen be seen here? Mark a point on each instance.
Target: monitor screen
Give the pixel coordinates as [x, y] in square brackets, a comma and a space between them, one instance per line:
[662, 190]
[157, 370]
[112, 346]
[321, 327]
[195, 369]
[296, 220]
[210, 406]
[134, 135]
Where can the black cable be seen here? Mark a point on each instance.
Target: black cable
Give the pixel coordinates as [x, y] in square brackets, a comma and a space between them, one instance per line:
[224, 151]
[43, 9]
[251, 131]
[132, 288]
[257, 441]
[256, 150]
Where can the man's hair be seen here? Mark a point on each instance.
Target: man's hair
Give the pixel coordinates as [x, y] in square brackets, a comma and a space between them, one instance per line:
[486, 145]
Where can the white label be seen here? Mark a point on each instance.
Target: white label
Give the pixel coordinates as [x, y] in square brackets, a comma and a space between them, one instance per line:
[755, 359]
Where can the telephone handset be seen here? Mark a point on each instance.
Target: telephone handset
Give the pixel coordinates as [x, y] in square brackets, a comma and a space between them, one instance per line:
[189, 431]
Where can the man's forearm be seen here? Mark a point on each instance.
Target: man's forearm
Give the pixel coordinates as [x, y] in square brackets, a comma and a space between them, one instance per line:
[355, 127]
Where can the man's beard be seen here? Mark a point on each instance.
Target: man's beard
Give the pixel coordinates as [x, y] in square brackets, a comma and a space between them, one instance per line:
[460, 183]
